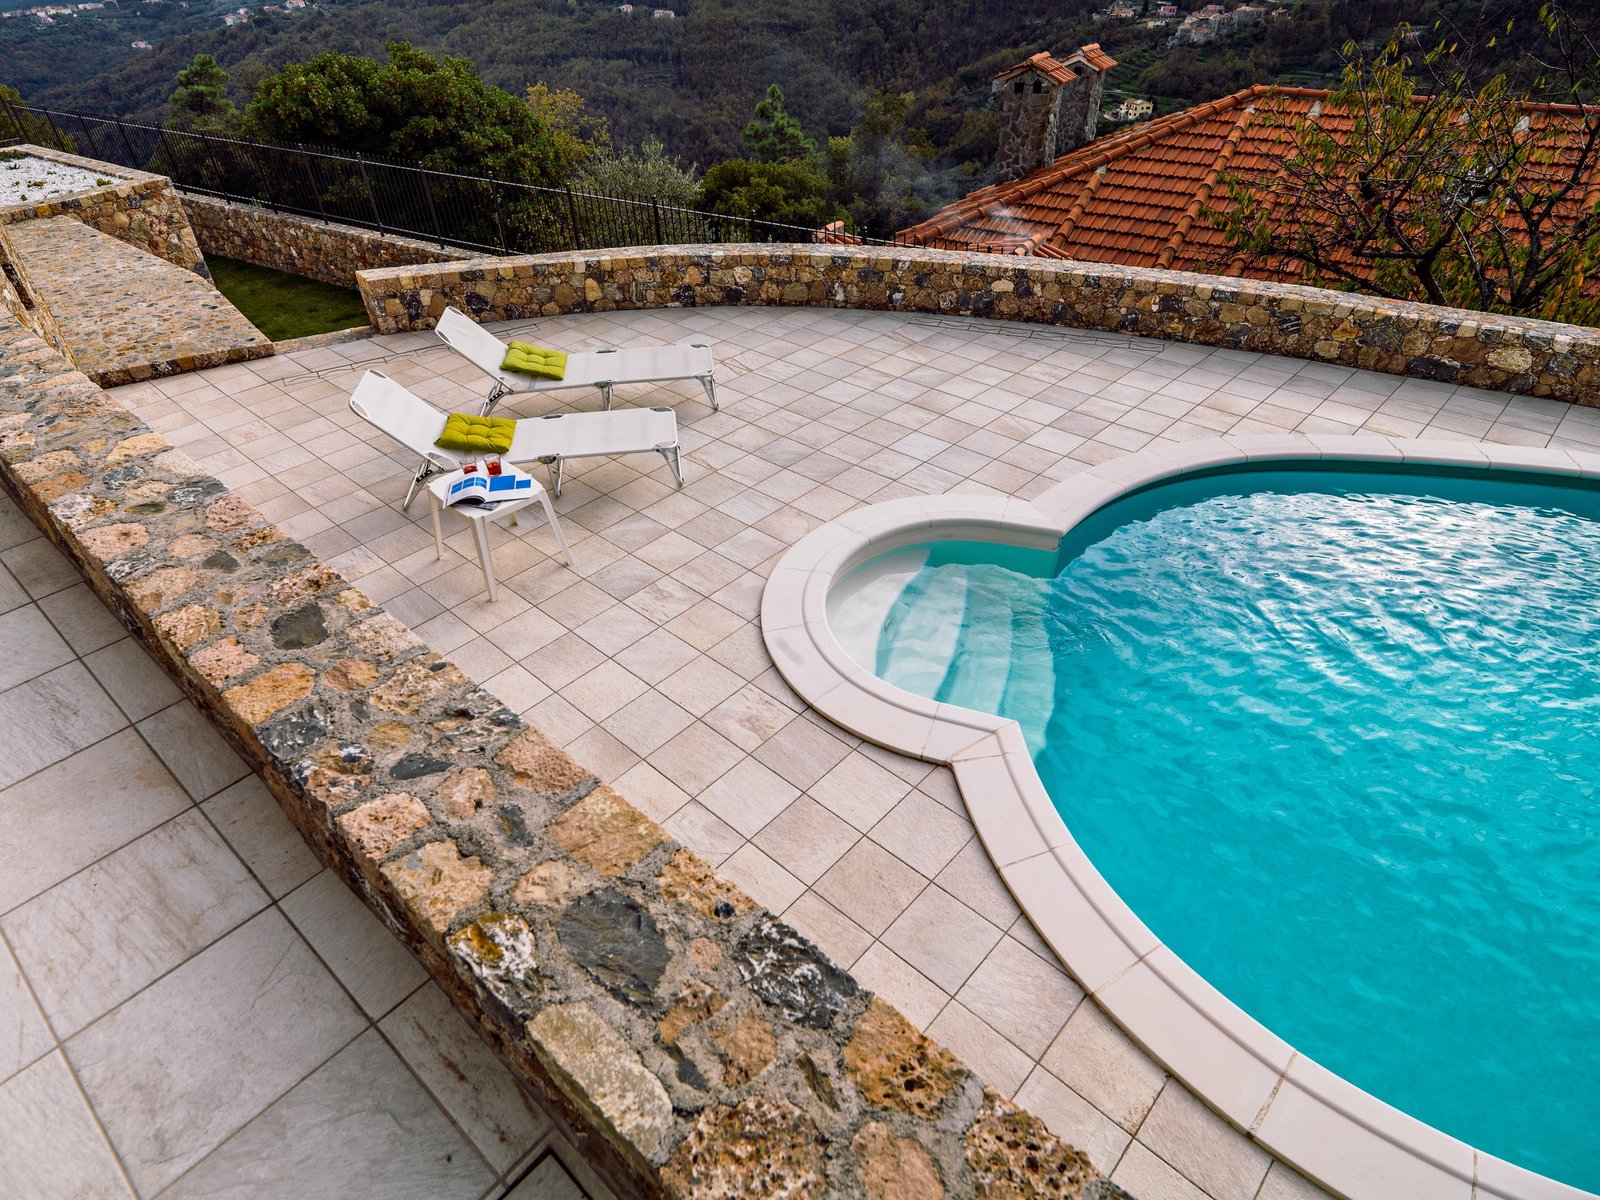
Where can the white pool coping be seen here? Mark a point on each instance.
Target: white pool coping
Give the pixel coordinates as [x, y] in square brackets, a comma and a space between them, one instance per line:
[1341, 1137]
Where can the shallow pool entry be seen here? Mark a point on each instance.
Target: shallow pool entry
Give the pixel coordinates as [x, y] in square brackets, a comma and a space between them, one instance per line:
[1334, 736]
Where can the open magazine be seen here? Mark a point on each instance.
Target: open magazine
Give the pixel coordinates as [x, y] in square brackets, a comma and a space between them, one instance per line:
[482, 490]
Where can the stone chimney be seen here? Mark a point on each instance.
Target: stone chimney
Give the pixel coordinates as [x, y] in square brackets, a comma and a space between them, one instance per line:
[1048, 107]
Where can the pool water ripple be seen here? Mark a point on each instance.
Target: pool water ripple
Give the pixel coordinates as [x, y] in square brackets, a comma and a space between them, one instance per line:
[1334, 737]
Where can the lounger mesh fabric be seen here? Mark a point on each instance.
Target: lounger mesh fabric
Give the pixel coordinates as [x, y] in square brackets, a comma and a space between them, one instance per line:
[468, 434]
[534, 360]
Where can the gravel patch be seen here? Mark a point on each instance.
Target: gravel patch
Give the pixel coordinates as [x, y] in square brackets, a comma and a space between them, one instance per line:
[27, 180]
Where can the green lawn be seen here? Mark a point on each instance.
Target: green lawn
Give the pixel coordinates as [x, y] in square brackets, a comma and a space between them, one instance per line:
[285, 306]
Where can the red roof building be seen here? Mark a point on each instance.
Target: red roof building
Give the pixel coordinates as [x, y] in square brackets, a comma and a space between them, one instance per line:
[1137, 198]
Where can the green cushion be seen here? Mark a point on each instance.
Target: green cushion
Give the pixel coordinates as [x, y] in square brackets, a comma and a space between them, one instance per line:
[467, 434]
[535, 360]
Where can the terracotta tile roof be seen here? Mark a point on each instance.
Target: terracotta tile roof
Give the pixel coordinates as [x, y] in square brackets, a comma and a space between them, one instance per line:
[1043, 62]
[1094, 57]
[1135, 198]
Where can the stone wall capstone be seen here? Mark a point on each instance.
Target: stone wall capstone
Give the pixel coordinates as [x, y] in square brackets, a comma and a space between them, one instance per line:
[322, 250]
[137, 207]
[704, 1048]
[1482, 350]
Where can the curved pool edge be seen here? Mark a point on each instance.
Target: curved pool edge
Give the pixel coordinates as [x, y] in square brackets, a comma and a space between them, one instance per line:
[1335, 1134]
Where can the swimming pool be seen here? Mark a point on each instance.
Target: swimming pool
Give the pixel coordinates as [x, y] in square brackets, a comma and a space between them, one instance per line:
[1331, 734]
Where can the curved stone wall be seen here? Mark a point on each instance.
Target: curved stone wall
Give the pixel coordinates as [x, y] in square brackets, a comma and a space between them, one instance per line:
[1480, 350]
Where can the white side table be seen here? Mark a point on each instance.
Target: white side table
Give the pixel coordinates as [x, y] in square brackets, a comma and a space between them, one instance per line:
[479, 518]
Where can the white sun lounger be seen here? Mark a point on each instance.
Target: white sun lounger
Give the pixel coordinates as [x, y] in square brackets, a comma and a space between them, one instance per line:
[416, 424]
[602, 369]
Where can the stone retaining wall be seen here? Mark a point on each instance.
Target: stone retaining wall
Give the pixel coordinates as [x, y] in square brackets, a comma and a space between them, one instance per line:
[707, 1049]
[1476, 349]
[139, 208]
[321, 250]
[32, 311]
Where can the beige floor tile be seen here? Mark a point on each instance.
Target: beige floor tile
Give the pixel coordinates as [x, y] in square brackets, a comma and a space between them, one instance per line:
[548, 1180]
[389, 1139]
[923, 833]
[941, 937]
[192, 750]
[648, 790]
[1282, 1183]
[766, 882]
[696, 758]
[871, 886]
[23, 1034]
[802, 752]
[39, 567]
[647, 722]
[129, 918]
[362, 954]
[700, 829]
[1025, 998]
[749, 796]
[997, 1061]
[883, 971]
[1096, 1059]
[32, 646]
[255, 826]
[217, 1040]
[1073, 1119]
[82, 619]
[50, 717]
[840, 938]
[859, 790]
[131, 677]
[1146, 1176]
[50, 1146]
[475, 1088]
[972, 879]
[81, 809]
[807, 839]
[1202, 1146]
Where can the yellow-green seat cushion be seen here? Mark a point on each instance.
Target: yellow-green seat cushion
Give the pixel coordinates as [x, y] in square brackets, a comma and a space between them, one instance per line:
[534, 360]
[467, 434]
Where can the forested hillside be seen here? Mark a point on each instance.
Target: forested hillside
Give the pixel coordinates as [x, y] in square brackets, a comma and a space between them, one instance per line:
[691, 80]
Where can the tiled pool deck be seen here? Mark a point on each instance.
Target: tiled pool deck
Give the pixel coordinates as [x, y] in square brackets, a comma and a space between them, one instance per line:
[647, 663]
[189, 1005]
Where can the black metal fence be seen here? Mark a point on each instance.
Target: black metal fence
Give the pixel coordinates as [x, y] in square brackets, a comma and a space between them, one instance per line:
[493, 215]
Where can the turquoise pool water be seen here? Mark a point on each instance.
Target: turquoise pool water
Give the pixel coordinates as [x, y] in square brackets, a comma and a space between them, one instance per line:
[1334, 736]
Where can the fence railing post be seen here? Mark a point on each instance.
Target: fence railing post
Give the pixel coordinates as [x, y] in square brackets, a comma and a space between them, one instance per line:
[88, 135]
[372, 201]
[316, 186]
[499, 215]
[61, 142]
[655, 211]
[572, 217]
[133, 159]
[433, 213]
[16, 121]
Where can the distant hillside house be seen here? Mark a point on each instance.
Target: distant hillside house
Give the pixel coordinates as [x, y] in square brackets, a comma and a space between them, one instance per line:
[1137, 197]
[1133, 108]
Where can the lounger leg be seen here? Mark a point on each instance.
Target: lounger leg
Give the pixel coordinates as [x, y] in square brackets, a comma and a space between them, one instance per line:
[493, 398]
[605, 397]
[710, 385]
[424, 473]
[438, 535]
[561, 538]
[555, 475]
[480, 534]
[673, 458]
